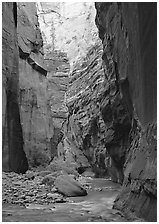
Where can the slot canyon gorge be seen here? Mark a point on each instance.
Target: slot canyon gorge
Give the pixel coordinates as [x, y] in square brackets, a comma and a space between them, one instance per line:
[79, 111]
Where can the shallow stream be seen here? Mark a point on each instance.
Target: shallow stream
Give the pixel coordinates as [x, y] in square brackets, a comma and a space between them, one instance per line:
[95, 207]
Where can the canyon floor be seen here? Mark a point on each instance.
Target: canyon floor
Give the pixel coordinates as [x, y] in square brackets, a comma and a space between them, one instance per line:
[24, 200]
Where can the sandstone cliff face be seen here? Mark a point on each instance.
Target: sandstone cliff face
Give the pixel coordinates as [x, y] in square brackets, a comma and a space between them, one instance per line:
[89, 138]
[128, 34]
[55, 20]
[34, 99]
[84, 124]
[57, 79]
[13, 156]
[67, 27]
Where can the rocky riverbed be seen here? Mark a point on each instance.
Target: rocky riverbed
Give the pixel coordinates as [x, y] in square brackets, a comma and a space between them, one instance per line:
[29, 197]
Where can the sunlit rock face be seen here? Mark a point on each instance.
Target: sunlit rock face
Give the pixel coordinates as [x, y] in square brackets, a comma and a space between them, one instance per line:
[77, 84]
[129, 35]
[69, 28]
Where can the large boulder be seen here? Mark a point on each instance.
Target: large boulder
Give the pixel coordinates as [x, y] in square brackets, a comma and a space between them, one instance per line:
[68, 186]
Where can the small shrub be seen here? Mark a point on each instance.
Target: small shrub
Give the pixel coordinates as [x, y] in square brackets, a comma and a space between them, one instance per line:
[37, 155]
[60, 165]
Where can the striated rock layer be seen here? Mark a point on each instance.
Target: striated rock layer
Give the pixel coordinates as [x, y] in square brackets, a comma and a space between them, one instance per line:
[69, 29]
[84, 129]
[89, 138]
[128, 34]
[13, 156]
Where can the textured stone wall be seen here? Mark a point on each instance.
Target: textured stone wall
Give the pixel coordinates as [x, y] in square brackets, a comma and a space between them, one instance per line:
[128, 33]
[13, 156]
[85, 132]
[36, 116]
[83, 129]
[39, 87]
[67, 27]
[70, 35]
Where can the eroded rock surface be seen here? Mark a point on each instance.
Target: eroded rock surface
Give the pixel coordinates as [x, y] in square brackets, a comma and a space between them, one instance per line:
[34, 99]
[68, 186]
[67, 27]
[83, 140]
[13, 157]
[130, 69]
[84, 128]
[139, 190]
[55, 20]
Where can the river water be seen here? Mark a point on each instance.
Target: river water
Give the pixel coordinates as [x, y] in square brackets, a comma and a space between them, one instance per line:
[95, 207]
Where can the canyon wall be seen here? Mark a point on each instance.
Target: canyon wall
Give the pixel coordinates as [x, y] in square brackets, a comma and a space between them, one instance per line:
[89, 137]
[13, 156]
[90, 102]
[69, 29]
[128, 32]
[37, 90]
[34, 100]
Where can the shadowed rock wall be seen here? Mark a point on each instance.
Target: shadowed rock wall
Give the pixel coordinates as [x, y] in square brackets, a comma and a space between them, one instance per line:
[39, 88]
[34, 99]
[128, 32]
[13, 156]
